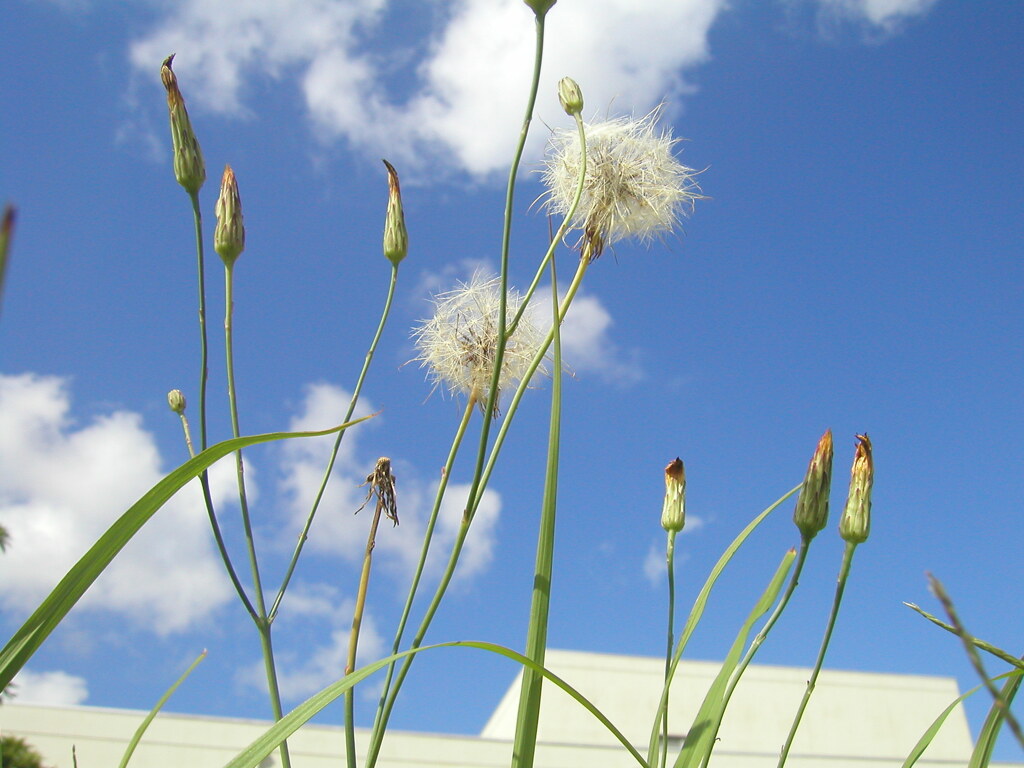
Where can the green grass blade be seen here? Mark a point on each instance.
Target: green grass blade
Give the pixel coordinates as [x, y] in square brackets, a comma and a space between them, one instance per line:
[700, 739]
[137, 736]
[933, 729]
[994, 722]
[81, 576]
[290, 723]
[999, 653]
[698, 611]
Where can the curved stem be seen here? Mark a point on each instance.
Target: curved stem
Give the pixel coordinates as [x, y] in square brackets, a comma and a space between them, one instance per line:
[204, 373]
[794, 579]
[262, 623]
[303, 535]
[384, 713]
[844, 572]
[428, 535]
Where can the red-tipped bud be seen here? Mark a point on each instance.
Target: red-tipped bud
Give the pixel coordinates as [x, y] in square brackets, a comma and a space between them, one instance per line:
[856, 522]
[673, 513]
[229, 234]
[811, 511]
[396, 238]
[189, 169]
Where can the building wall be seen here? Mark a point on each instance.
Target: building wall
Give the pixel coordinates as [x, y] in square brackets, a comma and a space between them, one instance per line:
[855, 720]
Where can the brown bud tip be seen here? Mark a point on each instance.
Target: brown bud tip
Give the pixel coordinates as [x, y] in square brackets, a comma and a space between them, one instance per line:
[673, 512]
[229, 234]
[396, 237]
[189, 168]
[856, 521]
[811, 513]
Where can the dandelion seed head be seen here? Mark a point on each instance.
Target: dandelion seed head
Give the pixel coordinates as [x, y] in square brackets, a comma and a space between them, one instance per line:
[458, 344]
[634, 186]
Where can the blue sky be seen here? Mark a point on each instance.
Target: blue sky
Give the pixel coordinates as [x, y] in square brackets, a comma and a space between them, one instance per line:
[856, 265]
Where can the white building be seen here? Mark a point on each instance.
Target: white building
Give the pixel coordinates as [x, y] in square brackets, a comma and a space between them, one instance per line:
[855, 720]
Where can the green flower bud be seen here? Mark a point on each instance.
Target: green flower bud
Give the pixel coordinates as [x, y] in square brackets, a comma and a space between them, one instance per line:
[176, 400]
[673, 513]
[229, 234]
[540, 7]
[856, 521]
[396, 238]
[189, 169]
[570, 96]
[811, 511]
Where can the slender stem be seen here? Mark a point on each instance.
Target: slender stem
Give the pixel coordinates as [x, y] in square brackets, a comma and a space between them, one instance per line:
[261, 620]
[525, 743]
[670, 561]
[734, 680]
[467, 519]
[844, 572]
[353, 636]
[303, 535]
[446, 472]
[204, 371]
[204, 477]
[384, 713]
[967, 639]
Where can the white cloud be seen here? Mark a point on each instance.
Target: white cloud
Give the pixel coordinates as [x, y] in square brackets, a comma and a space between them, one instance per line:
[469, 85]
[337, 530]
[655, 565]
[63, 484]
[886, 14]
[54, 688]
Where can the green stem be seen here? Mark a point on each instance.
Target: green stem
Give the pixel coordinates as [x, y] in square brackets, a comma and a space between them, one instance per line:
[204, 372]
[353, 637]
[525, 743]
[337, 445]
[794, 579]
[261, 620]
[670, 561]
[844, 572]
[384, 713]
[467, 519]
[446, 472]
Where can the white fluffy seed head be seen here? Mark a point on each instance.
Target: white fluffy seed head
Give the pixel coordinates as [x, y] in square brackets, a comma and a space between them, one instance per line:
[459, 343]
[634, 186]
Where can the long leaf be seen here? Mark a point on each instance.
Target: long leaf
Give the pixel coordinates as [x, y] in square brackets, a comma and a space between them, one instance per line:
[994, 722]
[700, 739]
[999, 653]
[290, 723]
[141, 730]
[62, 599]
[698, 611]
[933, 729]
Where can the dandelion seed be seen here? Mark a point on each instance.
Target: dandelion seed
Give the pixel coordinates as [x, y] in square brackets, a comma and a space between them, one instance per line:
[458, 344]
[634, 186]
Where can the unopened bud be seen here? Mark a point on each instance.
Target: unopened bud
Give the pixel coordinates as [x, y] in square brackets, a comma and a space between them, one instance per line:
[396, 238]
[540, 7]
[189, 169]
[176, 400]
[570, 96]
[229, 234]
[856, 522]
[811, 511]
[673, 514]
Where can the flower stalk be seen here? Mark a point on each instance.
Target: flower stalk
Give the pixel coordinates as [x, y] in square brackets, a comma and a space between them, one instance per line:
[853, 527]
